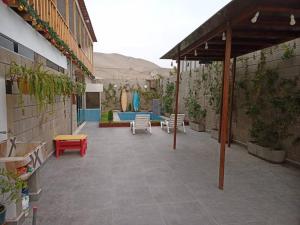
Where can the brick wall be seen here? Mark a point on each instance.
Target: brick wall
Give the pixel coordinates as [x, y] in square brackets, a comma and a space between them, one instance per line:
[25, 121]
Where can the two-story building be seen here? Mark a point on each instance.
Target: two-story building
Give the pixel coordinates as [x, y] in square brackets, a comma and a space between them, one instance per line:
[46, 55]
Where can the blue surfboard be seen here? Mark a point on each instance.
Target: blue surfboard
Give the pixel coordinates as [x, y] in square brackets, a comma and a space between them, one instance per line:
[136, 101]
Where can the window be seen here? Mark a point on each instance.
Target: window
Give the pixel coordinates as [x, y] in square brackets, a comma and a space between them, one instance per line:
[22, 50]
[61, 6]
[52, 65]
[71, 16]
[6, 43]
[11, 45]
[77, 27]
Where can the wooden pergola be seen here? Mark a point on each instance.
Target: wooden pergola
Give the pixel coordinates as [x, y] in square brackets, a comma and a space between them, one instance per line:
[241, 27]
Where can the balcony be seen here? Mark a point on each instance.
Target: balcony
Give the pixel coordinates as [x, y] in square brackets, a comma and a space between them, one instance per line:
[48, 11]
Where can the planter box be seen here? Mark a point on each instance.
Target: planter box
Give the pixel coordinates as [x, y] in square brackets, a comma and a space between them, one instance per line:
[214, 134]
[200, 127]
[274, 156]
[123, 124]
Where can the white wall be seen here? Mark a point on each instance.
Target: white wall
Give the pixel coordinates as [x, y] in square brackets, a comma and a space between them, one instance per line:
[14, 27]
[94, 87]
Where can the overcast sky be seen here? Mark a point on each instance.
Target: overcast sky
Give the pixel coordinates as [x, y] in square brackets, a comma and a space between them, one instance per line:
[147, 28]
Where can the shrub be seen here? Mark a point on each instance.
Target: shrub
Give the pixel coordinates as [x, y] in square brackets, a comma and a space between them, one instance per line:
[110, 116]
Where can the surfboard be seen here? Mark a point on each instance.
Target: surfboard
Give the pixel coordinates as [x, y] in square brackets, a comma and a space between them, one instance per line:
[123, 100]
[136, 101]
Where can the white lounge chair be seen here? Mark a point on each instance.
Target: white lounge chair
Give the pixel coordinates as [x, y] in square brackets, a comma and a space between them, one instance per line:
[169, 123]
[141, 122]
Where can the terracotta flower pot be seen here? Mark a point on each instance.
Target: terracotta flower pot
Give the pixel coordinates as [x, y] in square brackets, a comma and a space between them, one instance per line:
[24, 88]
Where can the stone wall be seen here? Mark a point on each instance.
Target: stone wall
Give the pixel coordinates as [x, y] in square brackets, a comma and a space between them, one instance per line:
[287, 68]
[26, 121]
[145, 105]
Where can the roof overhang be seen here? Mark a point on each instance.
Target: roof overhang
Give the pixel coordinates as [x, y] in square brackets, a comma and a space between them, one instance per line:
[272, 28]
[87, 19]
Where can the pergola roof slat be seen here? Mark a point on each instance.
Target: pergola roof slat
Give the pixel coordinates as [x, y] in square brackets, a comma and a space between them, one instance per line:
[272, 27]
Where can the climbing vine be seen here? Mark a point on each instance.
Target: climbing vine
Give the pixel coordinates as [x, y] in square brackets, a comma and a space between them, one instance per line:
[168, 97]
[214, 87]
[272, 103]
[110, 95]
[289, 51]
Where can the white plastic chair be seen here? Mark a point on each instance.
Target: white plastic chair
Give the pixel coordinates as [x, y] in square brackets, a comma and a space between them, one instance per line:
[169, 123]
[141, 122]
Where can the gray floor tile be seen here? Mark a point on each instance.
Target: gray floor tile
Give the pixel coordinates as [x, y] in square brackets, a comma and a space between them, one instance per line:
[140, 180]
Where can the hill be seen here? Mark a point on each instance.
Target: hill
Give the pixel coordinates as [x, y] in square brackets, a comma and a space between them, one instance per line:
[116, 66]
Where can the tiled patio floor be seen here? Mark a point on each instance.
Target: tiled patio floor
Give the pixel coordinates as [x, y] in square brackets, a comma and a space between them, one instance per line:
[138, 179]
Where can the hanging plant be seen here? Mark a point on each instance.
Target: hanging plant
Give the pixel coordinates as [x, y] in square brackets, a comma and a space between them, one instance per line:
[43, 85]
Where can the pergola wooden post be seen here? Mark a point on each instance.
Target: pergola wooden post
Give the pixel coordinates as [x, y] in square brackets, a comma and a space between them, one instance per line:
[221, 103]
[231, 102]
[224, 122]
[177, 94]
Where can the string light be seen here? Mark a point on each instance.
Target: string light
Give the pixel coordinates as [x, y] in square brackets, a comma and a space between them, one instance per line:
[292, 21]
[254, 19]
[223, 36]
[206, 46]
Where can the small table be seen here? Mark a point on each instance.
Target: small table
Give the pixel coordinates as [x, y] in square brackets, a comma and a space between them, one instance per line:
[71, 142]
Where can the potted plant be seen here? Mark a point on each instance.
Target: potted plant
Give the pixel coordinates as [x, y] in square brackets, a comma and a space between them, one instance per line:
[273, 105]
[10, 191]
[195, 112]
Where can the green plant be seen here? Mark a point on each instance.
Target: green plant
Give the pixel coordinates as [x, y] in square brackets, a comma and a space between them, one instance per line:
[110, 116]
[272, 103]
[10, 187]
[110, 95]
[195, 111]
[168, 97]
[43, 85]
[289, 51]
[214, 92]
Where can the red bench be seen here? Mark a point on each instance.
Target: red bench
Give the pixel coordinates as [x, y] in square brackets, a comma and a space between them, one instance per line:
[70, 142]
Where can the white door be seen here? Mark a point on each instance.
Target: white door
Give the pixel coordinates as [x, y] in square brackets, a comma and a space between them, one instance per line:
[3, 115]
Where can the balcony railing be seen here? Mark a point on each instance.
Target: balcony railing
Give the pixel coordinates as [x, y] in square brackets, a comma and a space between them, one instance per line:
[48, 12]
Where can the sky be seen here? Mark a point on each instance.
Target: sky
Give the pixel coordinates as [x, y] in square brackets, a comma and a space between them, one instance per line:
[147, 29]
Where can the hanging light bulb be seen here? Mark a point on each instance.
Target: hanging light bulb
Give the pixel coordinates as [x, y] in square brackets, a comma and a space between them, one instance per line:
[292, 21]
[223, 36]
[254, 19]
[195, 52]
[206, 46]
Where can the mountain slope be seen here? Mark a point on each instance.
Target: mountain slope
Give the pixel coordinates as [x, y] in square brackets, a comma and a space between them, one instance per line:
[116, 66]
